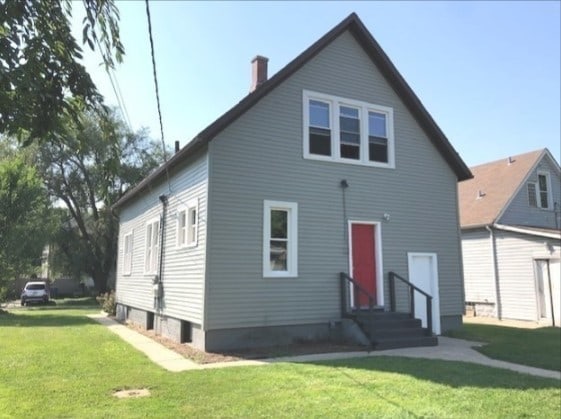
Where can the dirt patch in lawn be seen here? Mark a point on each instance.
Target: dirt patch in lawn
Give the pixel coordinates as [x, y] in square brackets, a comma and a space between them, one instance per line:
[132, 393]
[295, 349]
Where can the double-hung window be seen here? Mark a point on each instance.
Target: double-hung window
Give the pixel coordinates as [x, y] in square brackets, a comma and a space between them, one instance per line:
[152, 246]
[319, 129]
[127, 259]
[280, 239]
[347, 131]
[539, 193]
[187, 224]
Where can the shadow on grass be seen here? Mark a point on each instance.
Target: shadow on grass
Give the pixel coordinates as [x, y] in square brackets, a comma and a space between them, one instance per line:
[22, 319]
[449, 373]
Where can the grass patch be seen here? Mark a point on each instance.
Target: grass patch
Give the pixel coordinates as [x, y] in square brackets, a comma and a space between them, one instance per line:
[70, 366]
[539, 348]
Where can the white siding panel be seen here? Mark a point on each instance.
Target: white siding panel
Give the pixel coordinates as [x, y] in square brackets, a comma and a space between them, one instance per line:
[478, 266]
[184, 268]
[516, 254]
[260, 157]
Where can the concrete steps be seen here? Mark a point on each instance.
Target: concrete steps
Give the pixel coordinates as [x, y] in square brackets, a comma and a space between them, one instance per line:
[387, 330]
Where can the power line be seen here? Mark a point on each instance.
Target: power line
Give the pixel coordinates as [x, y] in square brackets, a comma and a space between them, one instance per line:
[156, 80]
[116, 90]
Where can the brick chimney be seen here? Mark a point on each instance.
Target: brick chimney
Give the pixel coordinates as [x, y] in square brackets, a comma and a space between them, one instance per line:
[258, 72]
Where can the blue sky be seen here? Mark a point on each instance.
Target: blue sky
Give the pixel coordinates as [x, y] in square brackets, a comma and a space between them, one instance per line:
[488, 72]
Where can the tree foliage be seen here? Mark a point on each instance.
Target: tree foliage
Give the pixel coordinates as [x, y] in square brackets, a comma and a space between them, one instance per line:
[40, 69]
[25, 223]
[95, 162]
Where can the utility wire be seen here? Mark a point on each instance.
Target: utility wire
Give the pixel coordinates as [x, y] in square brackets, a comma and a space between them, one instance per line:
[117, 91]
[156, 80]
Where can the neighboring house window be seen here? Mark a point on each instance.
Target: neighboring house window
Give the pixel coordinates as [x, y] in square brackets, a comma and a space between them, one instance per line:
[187, 224]
[348, 131]
[280, 239]
[543, 188]
[127, 262]
[152, 246]
[532, 200]
[539, 194]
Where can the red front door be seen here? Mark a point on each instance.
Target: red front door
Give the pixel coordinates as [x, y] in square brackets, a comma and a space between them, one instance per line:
[363, 261]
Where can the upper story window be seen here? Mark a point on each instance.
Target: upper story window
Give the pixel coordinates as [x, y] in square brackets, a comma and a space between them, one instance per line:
[280, 239]
[320, 128]
[127, 259]
[152, 246]
[544, 190]
[539, 193]
[348, 131]
[187, 224]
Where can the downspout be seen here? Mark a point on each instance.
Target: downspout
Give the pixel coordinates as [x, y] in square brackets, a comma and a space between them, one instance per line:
[495, 271]
[164, 200]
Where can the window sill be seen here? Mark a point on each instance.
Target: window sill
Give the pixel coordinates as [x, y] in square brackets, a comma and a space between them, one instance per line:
[349, 161]
[283, 275]
[186, 246]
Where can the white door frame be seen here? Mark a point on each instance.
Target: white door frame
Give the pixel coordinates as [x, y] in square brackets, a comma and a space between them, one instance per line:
[377, 258]
[434, 291]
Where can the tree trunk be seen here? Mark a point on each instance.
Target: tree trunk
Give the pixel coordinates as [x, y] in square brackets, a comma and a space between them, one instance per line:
[100, 281]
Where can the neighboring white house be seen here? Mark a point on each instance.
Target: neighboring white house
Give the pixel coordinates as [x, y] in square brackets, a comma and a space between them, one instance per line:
[511, 241]
[326, 171]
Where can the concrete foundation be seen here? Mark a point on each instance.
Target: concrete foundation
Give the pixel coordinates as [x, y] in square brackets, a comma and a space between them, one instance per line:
[450, 323]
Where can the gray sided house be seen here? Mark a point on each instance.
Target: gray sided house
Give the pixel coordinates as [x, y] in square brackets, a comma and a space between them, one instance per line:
[511, 240]
[292, 211]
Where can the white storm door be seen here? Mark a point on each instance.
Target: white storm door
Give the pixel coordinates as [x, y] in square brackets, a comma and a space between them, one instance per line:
[423, 273]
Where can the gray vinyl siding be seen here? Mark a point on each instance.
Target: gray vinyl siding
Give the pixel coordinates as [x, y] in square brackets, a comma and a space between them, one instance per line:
[515, 256]
[184, 268]
[478, 266]
[260, 157]
[519, 212]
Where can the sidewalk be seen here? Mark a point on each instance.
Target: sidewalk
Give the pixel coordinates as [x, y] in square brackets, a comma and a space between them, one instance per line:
[448, 349]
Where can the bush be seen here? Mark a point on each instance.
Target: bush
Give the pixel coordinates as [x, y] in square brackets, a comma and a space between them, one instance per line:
[108, 302]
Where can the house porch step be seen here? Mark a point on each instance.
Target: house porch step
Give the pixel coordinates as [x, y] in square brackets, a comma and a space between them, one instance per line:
[388, 330]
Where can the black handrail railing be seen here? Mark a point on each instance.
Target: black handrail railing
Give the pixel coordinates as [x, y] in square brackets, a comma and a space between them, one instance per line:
[412, 288]
[357, 289]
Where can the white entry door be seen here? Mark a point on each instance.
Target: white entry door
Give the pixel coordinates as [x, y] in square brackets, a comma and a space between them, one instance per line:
[549, 290]
[423, 273]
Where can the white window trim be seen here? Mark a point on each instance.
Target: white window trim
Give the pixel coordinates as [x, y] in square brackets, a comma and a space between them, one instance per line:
[148, 222]
[191, 204]
[335, 102]
[549, 191]
[127, 267]
[292, 247]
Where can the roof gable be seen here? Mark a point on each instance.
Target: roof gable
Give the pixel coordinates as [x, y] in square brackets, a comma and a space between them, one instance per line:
[484, 198]
[355, 26]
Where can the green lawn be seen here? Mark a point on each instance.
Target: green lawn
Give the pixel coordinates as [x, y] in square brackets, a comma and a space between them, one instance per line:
[534, 347]
[59, 363]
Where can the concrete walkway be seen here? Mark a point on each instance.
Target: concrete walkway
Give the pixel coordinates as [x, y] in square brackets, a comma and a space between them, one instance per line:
[448, 349]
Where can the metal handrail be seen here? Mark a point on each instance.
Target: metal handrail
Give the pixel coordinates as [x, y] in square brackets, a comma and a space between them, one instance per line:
[345, 300]
[412, 289]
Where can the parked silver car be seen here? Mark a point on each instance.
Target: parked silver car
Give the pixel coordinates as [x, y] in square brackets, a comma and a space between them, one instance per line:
[37, 292]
